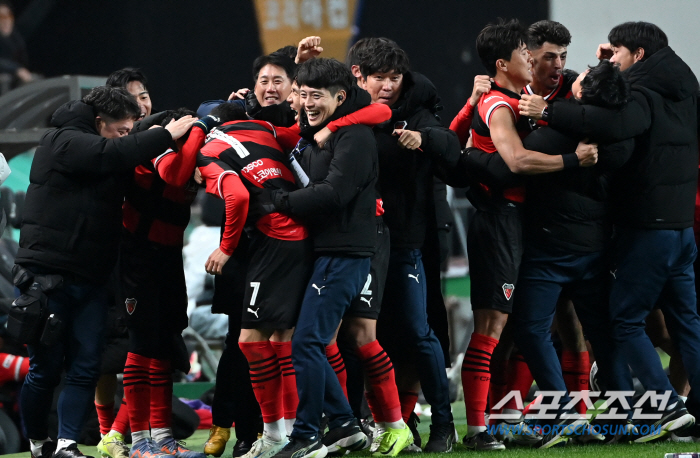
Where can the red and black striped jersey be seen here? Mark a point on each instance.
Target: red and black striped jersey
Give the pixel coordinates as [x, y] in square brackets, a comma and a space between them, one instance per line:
[157, 203]
[498, 98]
[252, 151]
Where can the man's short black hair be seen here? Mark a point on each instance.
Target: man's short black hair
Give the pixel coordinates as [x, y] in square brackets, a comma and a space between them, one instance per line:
[498, 41]
[113, 102]
[324, 73]
[177, 114]
[604, 86]
[121, 78]
[289, 51]
[547, 31]
[634, 35]
[384, 57]
[229, 112]
[359, 51]
[279, 59]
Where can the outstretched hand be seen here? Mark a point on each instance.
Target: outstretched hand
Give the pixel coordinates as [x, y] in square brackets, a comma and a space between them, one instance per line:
[180, 127]
[308, 48]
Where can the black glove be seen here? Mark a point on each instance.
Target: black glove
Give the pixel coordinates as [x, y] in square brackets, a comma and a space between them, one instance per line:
[207, 123]
[260, 203]
[252, 106]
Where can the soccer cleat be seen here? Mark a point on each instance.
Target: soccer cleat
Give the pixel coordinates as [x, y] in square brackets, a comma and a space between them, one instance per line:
[347, 437]
[265, 448]
[442, 436]
[687, 434]
[177, 448]
[112, 445]
[413, 421]
[146, 449]
[672, 420]
[483, 442]
[47, 450]
[394, 441]
[218, 437]
[303, 448]
[517, 433]
[69, 452]
[241, 448]
[377, 436]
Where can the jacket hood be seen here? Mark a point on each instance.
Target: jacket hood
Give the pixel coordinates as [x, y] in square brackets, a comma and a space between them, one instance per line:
[664, 73]
[356, 98]
[75, 114]
[418, 92]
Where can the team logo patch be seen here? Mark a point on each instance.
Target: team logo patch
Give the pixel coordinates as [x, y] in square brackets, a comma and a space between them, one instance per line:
[130, 303]
[508, 290]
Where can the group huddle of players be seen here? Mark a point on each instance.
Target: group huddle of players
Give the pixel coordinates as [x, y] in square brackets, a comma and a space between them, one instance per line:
[332, 177]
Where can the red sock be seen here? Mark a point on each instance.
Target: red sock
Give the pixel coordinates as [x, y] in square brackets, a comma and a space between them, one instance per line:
[13, 368]
[519, 378]
[290, 397]
[408, 403]
[476, 377]
[576, 370]
[121, 422]
[338, 365]
[105, 416]
[374, 407]
[499, 383]
[137, 391]
[380, 372]
[161, 375]
[266, 378]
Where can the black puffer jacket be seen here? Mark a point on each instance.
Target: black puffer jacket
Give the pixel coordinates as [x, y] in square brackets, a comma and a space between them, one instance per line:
[656, 188]
[73, 209]
[339, 205]
[406, 176]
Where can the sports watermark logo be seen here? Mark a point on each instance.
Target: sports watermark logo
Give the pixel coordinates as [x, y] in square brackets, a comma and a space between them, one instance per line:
[505, 429]
[616, 405]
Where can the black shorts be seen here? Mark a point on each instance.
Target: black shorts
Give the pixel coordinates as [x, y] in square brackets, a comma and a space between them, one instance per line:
[153, 293]
[369, 303]
[495, 246]
[276, 281]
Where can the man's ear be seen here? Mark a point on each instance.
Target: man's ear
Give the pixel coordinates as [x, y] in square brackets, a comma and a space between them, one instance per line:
[341, 96]
[98, 123]
[639, 54]
[502, 64]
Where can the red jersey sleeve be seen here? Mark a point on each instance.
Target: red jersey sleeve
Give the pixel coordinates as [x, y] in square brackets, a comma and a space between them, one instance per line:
[492, 102]
[176, 168]
[227, 185]
[371, 115]
[288, 137]
[463, 122]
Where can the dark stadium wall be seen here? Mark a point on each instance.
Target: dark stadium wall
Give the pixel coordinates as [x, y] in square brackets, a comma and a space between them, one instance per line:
[190, 51]
[439, 37]
[194, 51]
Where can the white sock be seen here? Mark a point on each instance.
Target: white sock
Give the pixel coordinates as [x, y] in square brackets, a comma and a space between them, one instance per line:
[395, 424]
[276, 430]
[474, 430]
[289, 425]
[64, 443]
[161, 434]
[36, 445]
[139, 436]
[683, 398]
[112, 432]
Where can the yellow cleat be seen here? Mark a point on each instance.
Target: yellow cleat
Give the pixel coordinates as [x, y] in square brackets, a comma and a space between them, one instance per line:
[216, 444]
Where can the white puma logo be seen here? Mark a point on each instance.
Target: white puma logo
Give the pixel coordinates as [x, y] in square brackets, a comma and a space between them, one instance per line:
[254, 312]
[415, 277]
[613, 273]
[367, 300]
[319, 289]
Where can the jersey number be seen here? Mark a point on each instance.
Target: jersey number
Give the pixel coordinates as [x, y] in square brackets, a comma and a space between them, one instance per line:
[366, 291]
[256, 286]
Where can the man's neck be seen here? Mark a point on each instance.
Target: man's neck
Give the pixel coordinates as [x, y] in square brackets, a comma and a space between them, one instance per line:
[502, 80]
[539, 89]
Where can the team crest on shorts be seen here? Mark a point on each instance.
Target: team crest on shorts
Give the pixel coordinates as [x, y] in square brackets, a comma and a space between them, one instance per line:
[508, 290]
[130, 303]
